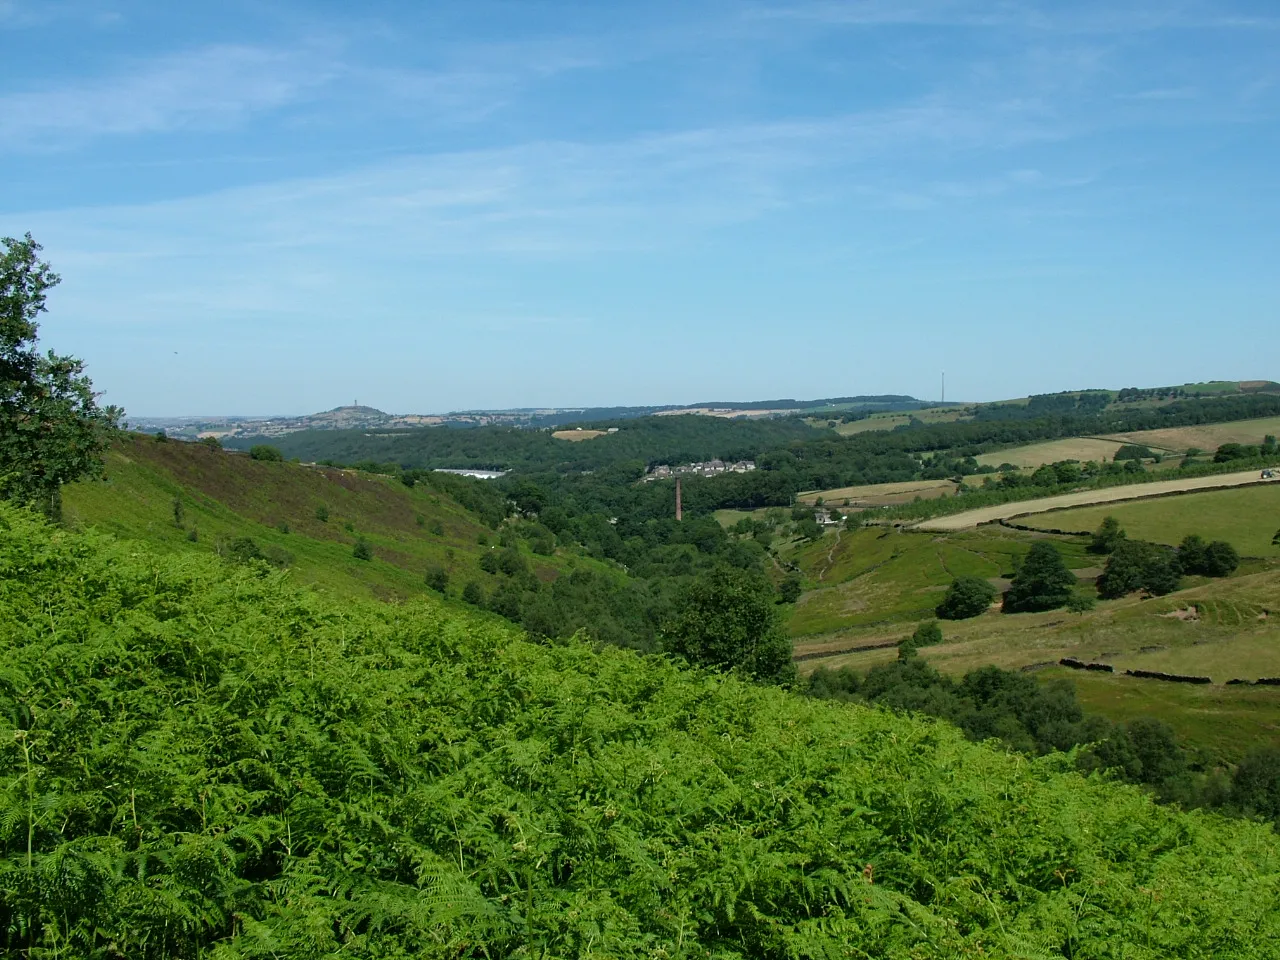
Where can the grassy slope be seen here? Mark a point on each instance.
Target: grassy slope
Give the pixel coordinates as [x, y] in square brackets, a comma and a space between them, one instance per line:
[877, 576]
[227, 765]
[1208, 436]
[226, 495]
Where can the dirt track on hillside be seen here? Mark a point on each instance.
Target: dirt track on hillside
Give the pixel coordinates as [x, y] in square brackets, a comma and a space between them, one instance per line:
[1086, 498]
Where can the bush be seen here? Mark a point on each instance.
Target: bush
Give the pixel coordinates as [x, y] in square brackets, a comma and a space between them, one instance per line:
[927, 634]
[791, 587]
[489, 562]
[473, 594]
[362, 550]
[322, 513]
[966, 597]
[1216, 559]
[213, 442]
[436, 528]
[438, 579]
[266, 453]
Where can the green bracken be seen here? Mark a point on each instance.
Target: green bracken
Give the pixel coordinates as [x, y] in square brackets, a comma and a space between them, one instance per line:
[198, 759]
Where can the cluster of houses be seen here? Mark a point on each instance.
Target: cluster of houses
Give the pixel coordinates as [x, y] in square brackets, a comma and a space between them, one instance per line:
[711, 468]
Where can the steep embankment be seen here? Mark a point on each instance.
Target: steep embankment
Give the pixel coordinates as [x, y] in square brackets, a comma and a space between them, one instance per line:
[191, 497]
[200, 758]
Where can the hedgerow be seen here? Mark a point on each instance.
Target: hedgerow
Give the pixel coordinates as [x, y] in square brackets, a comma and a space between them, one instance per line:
[199, 759]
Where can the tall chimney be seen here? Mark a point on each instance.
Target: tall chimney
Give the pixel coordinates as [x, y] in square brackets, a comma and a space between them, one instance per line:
[678, 510]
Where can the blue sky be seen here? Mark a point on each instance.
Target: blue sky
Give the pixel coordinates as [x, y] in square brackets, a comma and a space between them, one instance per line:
[281, 207]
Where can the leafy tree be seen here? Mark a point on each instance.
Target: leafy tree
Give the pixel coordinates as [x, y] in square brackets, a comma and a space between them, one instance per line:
[1192, 553]
[52, 430]
[362, 550]
[1138, 565]
[726, 620]
[791, 588]
[473, 594]
[1132, 451]
[212, 442]
[266, 453]
[853, 521]
[511, 562]
[808, 528]
[966, 597]
[1042, 582]
[1106, 536]
[489, 562]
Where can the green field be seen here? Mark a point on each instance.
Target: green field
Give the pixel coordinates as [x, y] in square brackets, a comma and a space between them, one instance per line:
[878, 576]
[1207, 436]
[1247, 518]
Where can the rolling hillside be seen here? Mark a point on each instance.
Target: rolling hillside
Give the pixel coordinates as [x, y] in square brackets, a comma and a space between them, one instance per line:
[224, 496]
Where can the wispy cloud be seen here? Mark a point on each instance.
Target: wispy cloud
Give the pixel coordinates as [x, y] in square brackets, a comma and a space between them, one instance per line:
[205, 88]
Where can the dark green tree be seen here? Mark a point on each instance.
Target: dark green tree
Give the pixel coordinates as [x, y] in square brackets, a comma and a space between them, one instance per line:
[266, 452]
[489, 562]
[322, 513]
[472, 594]
[966, 597]
[1106, 536]
[52, 430]
[362, 550]
[726, 619]
[1255, 786]
[1138, 565]
[1043, 582]
[927, 634]
[791, 588]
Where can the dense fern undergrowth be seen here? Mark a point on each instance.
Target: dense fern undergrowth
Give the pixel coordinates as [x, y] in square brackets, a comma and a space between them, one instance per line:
[201, 760]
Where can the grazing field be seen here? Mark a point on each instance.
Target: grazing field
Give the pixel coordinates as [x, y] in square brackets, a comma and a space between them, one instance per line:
[1008, 511]
[878, 576]
[1207, 436]
[575, 435]
[1247, 517]
[879, 494]
[1231, 635]
[1035, 454]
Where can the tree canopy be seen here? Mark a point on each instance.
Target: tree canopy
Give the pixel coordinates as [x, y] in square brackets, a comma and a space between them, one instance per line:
[52, 430]
[1043, 582]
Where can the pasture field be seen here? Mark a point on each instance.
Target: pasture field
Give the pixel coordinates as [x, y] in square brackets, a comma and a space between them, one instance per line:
[1232, 636]
[1246, 517]
[879, 494]
[1206, 436]
[877, 576]
[1035, 454]
[1138, 491]
[576, 435]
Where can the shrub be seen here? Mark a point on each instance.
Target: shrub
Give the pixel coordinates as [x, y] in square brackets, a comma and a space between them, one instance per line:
[473, 594]
[489, 562]
[966, 597]
[927, 634]
[362, 550]
[438, 579]
[791, 588]
[266, 453]
[322, 513]
[436, 528]
[213, 442]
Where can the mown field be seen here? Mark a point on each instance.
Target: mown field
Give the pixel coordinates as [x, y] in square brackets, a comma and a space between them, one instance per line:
[887, 421]
[879, 494]
[1054, 451]
[579, 434]
[1248, 518]
[1206, 437]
